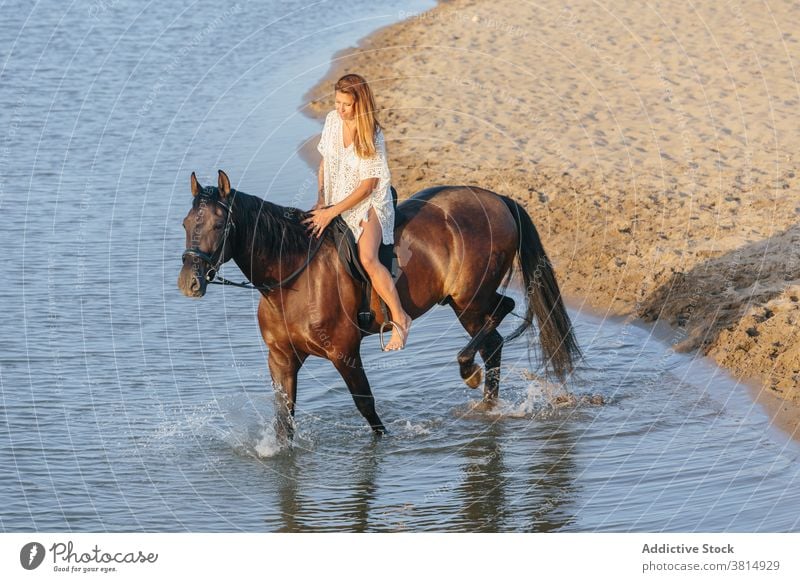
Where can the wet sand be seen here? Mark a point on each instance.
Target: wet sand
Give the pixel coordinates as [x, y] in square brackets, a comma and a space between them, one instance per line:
[654, 146]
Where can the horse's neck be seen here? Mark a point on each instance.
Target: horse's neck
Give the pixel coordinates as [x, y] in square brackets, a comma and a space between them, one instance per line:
[260, 265]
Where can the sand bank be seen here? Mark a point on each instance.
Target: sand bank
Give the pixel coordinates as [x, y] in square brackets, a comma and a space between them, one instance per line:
[655, 146]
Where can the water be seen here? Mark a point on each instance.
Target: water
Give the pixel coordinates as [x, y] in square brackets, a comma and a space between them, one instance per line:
[127, 407]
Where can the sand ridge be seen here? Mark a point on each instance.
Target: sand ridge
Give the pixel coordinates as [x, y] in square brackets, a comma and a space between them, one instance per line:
[655, 145]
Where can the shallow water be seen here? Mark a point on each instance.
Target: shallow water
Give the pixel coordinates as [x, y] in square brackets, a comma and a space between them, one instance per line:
[127, 407]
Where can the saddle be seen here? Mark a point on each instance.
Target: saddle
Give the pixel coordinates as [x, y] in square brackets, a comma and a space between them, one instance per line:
[348, 254]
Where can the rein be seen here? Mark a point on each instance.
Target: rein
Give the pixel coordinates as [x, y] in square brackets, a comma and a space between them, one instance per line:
[213, 260]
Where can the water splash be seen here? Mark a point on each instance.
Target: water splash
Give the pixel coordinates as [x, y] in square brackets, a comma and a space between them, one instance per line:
[405, 428]
[182, 426]
[541, 399]
[269, 444]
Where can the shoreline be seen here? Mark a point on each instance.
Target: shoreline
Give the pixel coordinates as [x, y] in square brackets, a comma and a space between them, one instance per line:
[680, 232]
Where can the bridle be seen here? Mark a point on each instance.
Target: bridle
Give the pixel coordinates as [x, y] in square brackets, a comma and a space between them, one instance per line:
[213, 260]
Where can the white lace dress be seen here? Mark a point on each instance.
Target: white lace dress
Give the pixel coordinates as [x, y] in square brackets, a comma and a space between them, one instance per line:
[344, 170]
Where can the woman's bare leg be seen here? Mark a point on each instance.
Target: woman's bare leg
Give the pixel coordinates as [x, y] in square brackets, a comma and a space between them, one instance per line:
[368, 244]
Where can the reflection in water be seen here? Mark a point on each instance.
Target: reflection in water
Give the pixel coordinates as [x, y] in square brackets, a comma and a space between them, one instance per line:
[288, 501]
[363, 488]
[554, 477]
[348, 495]
[482, 494]
[495, 497]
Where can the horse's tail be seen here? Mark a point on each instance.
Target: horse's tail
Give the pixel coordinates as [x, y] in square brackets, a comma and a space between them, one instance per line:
[557, 342]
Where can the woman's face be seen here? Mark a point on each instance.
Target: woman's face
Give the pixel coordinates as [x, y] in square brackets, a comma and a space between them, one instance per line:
[345, 105]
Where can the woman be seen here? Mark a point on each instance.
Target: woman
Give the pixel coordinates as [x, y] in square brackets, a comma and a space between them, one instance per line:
[354, 181]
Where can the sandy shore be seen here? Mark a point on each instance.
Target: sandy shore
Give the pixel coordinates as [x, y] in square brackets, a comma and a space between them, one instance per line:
[656, 147]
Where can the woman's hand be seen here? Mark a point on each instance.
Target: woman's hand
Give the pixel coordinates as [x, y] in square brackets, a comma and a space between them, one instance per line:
[319, 220]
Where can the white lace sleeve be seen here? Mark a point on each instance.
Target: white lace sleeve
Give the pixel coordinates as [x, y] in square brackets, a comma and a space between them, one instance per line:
[323, 147]
[376, 166]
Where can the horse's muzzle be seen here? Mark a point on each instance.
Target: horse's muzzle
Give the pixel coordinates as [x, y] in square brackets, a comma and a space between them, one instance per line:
[191, 283]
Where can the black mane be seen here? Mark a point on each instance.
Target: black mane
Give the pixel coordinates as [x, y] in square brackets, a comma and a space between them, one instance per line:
[267, 225]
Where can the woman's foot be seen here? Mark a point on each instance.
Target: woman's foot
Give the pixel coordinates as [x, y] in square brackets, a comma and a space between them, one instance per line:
[399, 335]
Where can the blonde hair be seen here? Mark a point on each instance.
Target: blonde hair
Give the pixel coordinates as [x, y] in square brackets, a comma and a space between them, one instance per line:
[367, 124]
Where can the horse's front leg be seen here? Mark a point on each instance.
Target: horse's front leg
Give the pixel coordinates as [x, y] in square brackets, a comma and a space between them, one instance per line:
[283, 367]
[352, 371]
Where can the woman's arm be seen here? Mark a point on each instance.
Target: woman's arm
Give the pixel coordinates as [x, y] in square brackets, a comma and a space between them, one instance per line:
[321, 184]
[323, 148]
[361, 192]
[321, 217]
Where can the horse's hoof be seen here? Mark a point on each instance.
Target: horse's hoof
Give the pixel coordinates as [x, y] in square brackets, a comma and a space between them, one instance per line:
[475, 378]
[484, 405]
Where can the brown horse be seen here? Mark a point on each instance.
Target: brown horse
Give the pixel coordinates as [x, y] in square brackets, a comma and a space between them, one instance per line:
[458, 242]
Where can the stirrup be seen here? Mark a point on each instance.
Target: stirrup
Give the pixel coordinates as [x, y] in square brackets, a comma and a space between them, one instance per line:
[391, 323]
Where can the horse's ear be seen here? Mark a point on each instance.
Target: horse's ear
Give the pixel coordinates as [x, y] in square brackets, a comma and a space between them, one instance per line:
[196, 187]
[224, 184]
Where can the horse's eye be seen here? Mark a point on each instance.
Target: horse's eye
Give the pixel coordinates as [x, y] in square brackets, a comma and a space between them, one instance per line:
[218, 226]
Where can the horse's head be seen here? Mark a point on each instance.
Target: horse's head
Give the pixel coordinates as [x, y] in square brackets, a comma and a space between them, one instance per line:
[209, 229]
